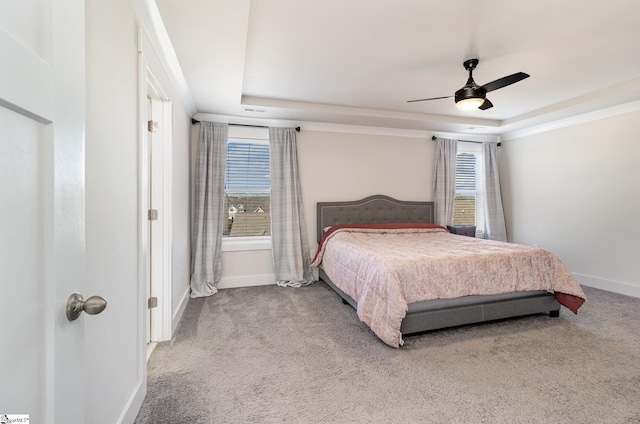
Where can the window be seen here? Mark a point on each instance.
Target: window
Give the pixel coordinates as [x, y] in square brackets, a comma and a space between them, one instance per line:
[468, 206]
[247, 188]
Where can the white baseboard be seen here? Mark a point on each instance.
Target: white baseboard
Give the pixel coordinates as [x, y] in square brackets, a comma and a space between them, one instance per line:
[134, 404]
[246, 281]
[612, 286]
[175, 320]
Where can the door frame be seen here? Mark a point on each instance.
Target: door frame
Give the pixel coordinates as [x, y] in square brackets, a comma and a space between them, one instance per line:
[160, 188]
[150, 87]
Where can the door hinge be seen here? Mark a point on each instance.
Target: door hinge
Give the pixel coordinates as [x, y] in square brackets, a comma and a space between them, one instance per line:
[153, 214]
[152, 302]
[152, 126]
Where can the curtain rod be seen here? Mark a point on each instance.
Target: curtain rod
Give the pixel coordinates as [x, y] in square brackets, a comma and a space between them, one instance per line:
[195, 121]
[433, 137]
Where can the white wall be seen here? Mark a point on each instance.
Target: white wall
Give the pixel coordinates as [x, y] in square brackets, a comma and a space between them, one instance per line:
[111, 206]
[342, 166]
[180, 231]
[574, 191]
[112, 215]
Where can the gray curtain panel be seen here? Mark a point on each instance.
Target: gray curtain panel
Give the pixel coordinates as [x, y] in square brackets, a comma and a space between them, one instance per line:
[206, 239]
[291, 259]
[494, 225]
[444, 180]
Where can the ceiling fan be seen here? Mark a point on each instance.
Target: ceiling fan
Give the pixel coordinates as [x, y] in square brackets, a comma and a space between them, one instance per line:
[472, 95]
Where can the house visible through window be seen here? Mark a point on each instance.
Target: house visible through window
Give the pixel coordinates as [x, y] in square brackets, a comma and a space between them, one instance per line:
[468, 206]
[247, 189]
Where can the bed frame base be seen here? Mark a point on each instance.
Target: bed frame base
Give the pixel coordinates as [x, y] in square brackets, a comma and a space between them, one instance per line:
[473, 311]
[481, 312]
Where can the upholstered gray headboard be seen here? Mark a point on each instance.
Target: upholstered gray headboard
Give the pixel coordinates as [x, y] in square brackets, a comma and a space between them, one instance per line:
[377, 209]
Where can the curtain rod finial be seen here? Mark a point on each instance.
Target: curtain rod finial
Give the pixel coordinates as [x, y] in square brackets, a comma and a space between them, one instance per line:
[433, 137]
[194, 121]
[297, 129]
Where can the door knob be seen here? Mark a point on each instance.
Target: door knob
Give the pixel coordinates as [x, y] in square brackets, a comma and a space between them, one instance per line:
[76, 304]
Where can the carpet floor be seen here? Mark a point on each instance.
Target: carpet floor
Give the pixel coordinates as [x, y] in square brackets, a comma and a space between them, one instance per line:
[270, 354]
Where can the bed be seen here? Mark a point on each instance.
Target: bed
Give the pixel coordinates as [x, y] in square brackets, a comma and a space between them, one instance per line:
[398, 308]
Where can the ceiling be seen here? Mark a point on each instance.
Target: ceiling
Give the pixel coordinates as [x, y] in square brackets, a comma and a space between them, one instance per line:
[357, 62]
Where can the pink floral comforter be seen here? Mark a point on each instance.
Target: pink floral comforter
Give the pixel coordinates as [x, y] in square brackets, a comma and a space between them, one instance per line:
[385, 267]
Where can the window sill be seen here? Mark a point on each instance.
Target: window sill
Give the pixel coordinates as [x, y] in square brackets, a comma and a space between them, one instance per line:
[239, 244]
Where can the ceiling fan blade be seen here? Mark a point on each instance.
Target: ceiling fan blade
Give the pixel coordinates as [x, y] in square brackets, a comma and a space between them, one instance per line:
[504, 81]
[431, 98]
[486, 105]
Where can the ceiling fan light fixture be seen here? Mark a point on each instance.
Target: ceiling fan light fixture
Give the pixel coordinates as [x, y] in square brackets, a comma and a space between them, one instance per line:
[470, 103]
[474, 96]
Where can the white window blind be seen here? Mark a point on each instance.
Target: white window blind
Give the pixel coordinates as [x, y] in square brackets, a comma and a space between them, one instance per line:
[468, 206]
[247, 189]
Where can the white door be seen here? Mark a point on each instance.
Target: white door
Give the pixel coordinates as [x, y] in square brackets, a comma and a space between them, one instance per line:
[41, 208]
